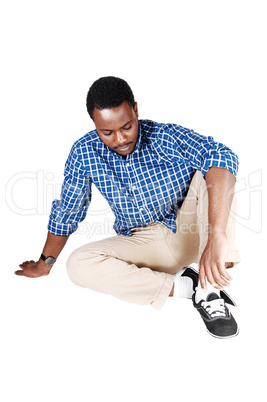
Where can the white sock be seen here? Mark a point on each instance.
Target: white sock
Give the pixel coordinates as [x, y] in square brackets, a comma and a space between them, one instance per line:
[201, 294]
[183, 286]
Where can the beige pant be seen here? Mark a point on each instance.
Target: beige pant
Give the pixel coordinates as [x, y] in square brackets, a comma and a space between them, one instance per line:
[140, 268]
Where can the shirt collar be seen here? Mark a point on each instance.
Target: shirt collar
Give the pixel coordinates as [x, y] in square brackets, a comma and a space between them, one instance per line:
[140, 140]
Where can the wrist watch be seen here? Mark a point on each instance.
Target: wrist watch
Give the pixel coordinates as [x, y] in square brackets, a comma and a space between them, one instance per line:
[48, 260]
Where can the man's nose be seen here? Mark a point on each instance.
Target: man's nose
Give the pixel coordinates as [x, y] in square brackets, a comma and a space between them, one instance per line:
[120, 138]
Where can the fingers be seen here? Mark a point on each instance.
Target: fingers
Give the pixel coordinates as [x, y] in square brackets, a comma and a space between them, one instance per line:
[202, 277]
[19, 272]
[32, 269]
[26, 263]
[25, 272]
[212, 263]
[28, 268]
[22, 272]
[221, 275]
[216, 275]
[214, 278]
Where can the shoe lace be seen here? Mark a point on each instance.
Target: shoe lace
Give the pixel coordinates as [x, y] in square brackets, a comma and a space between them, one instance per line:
[215, 308]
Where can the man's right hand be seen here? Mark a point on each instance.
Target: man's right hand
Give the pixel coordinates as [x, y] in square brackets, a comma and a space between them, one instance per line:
[53, 246]
[33, 269]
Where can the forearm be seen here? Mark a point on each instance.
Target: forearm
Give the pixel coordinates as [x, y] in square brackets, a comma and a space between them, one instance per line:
[220, 185]
[54, 245]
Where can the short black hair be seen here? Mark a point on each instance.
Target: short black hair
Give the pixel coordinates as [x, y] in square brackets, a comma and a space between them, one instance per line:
[107, 93]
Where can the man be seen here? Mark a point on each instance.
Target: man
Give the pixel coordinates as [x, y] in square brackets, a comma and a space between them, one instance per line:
[171, 191]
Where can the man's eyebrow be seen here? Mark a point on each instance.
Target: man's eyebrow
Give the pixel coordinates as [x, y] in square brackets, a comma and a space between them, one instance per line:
[107, 129]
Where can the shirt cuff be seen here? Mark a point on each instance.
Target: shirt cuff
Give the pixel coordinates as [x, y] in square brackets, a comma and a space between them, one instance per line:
[61, 229]
[230, 163]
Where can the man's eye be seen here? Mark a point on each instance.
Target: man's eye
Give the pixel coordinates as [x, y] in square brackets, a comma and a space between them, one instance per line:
[127, 128]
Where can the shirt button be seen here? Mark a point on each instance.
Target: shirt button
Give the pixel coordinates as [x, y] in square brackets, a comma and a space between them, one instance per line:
[133, 187]
[127, 164]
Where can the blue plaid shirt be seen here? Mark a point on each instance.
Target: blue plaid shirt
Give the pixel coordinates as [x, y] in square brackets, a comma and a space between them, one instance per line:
[147, 186]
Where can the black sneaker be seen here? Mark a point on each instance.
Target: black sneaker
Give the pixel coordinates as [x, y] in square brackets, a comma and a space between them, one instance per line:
[219, 321]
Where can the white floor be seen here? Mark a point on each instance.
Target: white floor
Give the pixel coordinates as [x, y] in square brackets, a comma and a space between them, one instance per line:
[60, 341]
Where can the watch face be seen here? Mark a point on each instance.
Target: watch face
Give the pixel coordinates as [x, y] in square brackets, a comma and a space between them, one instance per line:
[50, 261]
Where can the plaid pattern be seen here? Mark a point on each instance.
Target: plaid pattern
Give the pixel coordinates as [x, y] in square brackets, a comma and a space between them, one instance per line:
[147, 186]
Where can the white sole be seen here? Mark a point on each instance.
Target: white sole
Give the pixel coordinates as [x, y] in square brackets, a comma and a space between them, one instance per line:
[224, 337]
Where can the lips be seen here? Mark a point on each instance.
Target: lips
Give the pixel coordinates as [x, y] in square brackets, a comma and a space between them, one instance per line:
[124, 147]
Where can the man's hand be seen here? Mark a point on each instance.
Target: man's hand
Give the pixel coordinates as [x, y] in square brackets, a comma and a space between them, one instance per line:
[33, 269]
[53, 246]
[212, 262]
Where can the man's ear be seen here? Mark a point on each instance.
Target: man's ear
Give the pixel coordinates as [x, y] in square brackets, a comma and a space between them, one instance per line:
[136, 109]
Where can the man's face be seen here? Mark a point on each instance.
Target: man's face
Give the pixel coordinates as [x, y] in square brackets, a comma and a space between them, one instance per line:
[118, 127]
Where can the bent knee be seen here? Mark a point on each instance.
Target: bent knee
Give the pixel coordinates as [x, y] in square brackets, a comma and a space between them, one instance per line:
[80, 264]
[72, 264]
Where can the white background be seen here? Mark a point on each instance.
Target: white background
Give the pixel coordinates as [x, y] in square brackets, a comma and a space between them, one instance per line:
[201, 64]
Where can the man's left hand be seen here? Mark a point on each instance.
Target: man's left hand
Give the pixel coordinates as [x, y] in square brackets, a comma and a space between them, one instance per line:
[212, 262]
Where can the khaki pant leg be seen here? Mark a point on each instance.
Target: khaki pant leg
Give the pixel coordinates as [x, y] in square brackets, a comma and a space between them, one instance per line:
[126, 267]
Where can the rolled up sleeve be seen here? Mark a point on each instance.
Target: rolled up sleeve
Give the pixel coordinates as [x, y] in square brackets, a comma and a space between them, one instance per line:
[71, 208]
[204, 153]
